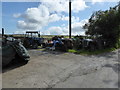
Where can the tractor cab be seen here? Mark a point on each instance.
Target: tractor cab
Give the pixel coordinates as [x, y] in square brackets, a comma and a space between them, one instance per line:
[33, 39]
[32, 34]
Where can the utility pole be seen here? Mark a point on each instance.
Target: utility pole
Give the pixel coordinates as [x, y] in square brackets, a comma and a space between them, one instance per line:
[69, 18]
[39, 33]
[2, 32]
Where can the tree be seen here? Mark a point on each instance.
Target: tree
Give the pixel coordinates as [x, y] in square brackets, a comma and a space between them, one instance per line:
[105, 24]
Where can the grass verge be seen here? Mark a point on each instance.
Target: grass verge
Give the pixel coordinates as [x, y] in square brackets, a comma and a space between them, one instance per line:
[86, 52]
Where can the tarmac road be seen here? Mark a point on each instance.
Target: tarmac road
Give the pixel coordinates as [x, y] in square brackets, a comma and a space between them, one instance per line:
[63, 70]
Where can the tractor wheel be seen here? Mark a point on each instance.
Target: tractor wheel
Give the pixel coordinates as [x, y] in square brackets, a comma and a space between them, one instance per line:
[26, 43]
[91, 47]
[43, 45]
[64, 48]
[35, 46]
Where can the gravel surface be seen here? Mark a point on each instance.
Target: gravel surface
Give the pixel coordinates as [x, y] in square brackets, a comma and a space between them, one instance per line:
[50, 69]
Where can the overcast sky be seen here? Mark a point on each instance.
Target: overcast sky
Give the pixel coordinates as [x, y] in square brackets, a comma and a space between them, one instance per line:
[50, 17]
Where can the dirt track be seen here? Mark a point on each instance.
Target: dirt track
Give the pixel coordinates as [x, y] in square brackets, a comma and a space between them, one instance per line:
[63, 70]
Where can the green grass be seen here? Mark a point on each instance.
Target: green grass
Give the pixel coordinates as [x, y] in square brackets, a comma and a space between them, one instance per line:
[48, 37]
[86, 52]
[72, 51]
[41, 49]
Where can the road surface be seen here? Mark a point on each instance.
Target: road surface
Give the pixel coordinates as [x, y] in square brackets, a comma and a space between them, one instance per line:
[50, 69]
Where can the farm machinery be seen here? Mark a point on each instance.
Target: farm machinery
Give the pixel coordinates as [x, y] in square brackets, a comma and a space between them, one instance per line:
[59, 43]
[88, 44]
[32, 39]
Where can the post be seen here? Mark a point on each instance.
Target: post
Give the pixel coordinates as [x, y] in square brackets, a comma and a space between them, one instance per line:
[38, 33]
[2, 32]
[69, 18]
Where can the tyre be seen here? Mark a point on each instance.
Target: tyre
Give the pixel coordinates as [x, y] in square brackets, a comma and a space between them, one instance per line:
[26, 43]
[25, 61]
[35, 46]
[18, 59]
[8, 54]
[43, 45]
[64, 48]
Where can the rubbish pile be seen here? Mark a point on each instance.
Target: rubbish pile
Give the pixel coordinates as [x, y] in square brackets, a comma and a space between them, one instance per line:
[11, 49]
[80, 42]
[59, 43]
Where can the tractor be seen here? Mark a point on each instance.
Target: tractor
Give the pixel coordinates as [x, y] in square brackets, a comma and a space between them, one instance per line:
[33, 40]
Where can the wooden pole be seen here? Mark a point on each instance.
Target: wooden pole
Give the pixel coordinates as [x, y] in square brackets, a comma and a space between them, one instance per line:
[2, 32]
[69, 18]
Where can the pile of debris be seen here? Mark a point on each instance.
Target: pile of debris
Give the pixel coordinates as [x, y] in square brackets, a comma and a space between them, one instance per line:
[88, 43]
[12, 48]
[59, 43]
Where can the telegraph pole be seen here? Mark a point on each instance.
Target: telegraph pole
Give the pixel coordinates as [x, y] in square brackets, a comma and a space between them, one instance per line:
[69, 18]
[2, 32]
